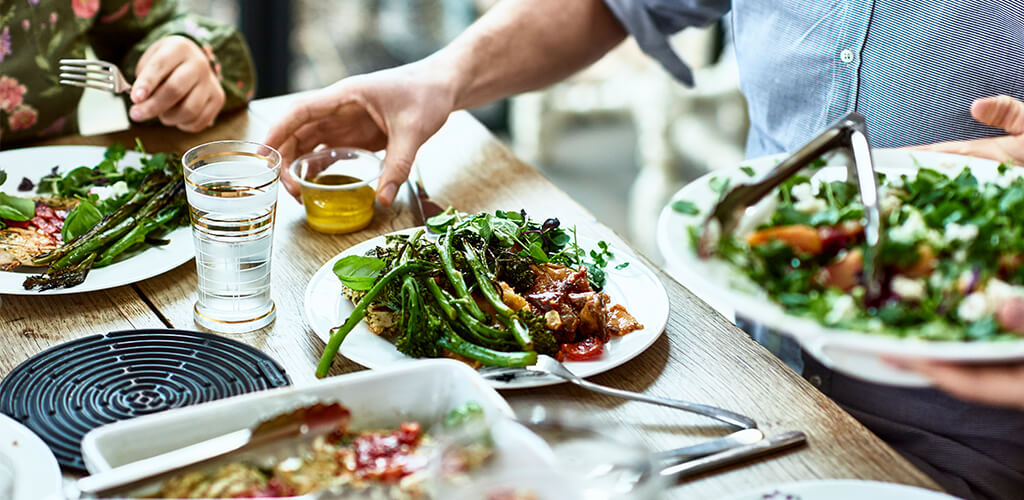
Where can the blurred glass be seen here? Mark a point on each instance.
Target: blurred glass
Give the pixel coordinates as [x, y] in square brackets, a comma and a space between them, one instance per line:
[547, 453]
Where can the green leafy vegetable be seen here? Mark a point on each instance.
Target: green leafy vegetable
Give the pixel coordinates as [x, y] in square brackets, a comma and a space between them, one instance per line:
[748, 170]
[15, 208]
[358, 272]
[79, 220]
[685, 207]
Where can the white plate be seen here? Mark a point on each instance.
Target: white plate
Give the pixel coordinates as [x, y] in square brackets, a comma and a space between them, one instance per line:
[854, 353]
[635, 287]
[840, 489]
[28, 471]
[37, 162]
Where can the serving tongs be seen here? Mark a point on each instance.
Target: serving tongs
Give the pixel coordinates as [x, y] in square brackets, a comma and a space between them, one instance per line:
[302, 423]
[847, 136]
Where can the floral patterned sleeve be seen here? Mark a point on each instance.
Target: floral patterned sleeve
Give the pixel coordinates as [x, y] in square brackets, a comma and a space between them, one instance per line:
[124, 29]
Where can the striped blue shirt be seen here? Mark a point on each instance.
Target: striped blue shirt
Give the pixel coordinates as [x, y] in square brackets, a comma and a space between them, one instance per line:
[912, 67]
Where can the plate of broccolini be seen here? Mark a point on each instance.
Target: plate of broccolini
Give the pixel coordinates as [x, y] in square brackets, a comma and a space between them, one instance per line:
[489, 289]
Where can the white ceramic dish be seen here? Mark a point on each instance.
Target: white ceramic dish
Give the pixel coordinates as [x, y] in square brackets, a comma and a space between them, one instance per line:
[636, 287]
[28, 471]
[36, 162]
[855, 353]
[840, 489]
[424, 392]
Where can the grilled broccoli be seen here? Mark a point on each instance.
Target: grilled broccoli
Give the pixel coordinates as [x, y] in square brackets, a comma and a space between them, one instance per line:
[420, 334]
[515, 270]
[544, 341]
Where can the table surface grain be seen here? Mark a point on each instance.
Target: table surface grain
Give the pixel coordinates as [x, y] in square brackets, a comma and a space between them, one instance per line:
[700, 357]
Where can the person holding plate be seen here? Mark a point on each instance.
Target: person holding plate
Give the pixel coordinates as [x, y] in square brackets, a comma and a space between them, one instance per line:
[913, 68]
[185, 69]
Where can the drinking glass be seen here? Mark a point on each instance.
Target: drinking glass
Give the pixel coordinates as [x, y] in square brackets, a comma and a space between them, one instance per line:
[547, 453]
[337, 188]
[232, 196]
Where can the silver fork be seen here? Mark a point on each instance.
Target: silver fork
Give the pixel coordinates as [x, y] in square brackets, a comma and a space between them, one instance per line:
[546, 365]
[94, 74]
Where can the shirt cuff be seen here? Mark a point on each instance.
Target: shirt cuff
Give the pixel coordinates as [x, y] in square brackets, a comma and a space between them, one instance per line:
[638, 22]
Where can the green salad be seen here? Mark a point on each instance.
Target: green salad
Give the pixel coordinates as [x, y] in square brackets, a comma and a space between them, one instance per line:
[953, 254]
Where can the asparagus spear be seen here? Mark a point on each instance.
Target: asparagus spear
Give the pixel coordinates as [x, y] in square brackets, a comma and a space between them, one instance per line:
[63, 278]
[136, 235]
[455, 277]
[149, 185]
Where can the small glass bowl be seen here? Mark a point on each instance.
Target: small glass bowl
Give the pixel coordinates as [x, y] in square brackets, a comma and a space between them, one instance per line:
[338, 188]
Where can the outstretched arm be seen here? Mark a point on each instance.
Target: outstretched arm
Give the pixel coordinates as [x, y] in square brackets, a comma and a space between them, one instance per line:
[518, 45]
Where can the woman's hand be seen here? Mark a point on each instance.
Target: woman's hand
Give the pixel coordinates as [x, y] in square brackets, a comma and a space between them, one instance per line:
[1002, 112]
[175, 83]
[396, 109]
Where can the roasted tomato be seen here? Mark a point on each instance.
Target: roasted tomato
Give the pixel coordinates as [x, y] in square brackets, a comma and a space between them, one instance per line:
[586, 350]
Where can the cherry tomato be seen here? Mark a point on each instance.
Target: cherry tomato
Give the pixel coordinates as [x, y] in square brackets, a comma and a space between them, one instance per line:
[586, 350]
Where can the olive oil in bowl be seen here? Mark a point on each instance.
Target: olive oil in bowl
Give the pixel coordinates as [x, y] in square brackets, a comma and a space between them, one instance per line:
[337, 188]
[342, 210]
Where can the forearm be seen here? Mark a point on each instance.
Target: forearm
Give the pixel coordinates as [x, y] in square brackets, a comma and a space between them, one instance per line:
[521, 45]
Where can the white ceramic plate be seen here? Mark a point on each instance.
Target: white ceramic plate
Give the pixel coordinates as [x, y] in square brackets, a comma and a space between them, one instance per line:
[37, 162]
[854, 353]
[636, 287]
[28, 471]
[840, 489]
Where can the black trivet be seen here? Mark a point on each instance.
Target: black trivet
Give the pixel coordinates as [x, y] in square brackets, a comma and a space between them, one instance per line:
[68, 390]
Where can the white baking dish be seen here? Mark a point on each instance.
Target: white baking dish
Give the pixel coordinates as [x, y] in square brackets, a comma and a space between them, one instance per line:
[423, 391]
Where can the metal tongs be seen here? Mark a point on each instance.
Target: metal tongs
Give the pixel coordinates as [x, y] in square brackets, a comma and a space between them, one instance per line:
[847, 136]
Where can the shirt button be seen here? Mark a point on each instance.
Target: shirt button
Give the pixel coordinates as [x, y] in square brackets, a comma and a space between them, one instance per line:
[815, 380]
[846, 56]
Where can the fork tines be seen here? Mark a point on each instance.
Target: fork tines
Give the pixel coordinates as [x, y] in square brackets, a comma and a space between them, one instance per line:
[89, 73]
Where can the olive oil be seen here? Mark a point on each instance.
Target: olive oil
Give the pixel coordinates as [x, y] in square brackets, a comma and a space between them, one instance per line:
[334, 210]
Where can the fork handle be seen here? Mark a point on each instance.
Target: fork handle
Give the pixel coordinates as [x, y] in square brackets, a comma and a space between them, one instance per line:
[731, 418]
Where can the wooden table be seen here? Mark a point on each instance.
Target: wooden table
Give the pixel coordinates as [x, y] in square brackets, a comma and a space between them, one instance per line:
[701, 357]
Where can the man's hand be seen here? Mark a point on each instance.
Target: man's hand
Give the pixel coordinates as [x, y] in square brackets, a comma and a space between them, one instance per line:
[175, 83]
[1002, 112]
[396, 109]
[999, 385]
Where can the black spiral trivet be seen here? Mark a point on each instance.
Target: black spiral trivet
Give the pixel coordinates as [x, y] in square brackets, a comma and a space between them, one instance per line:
[68, 390]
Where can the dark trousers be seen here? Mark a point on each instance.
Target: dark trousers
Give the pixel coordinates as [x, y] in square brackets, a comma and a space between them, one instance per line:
[973, 451]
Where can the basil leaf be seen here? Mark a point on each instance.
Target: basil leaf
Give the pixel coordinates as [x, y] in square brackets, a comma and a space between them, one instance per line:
[685, 207]
[505, 230]
[439, 222]
[748, 170]
[358, 272]
[537, 252]
[79, 220]
[17, 209]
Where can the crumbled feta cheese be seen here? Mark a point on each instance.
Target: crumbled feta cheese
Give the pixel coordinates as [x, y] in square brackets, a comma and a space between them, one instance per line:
[112, 191]
[998, 291]
[913, 229]
[966, 279]
[961, 232]
[896, 181]
[936, 280]
[843, 307]
[960, 255]
[805, 201]
[890, 202]
[973, 307]
[908, 288]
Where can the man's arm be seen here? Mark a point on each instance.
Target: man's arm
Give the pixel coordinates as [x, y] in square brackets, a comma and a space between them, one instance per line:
[524, 45]
[519, 45]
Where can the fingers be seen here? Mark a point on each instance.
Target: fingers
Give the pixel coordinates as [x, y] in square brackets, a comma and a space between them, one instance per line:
[170, 92]
[289, 182]
[1001, 385]
[992, 148]
[1001, 111]
[401, 152]
[155, 65]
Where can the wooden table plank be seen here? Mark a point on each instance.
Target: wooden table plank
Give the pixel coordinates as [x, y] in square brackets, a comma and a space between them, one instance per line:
[701, 356]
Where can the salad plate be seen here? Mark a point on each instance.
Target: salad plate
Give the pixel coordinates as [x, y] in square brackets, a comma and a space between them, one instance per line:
[840, 489]
[28, 471]
[33, 163]
[846, 346]
[634, 286]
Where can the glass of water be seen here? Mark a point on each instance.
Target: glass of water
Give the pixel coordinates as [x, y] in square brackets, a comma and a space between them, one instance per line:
[232, 196]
